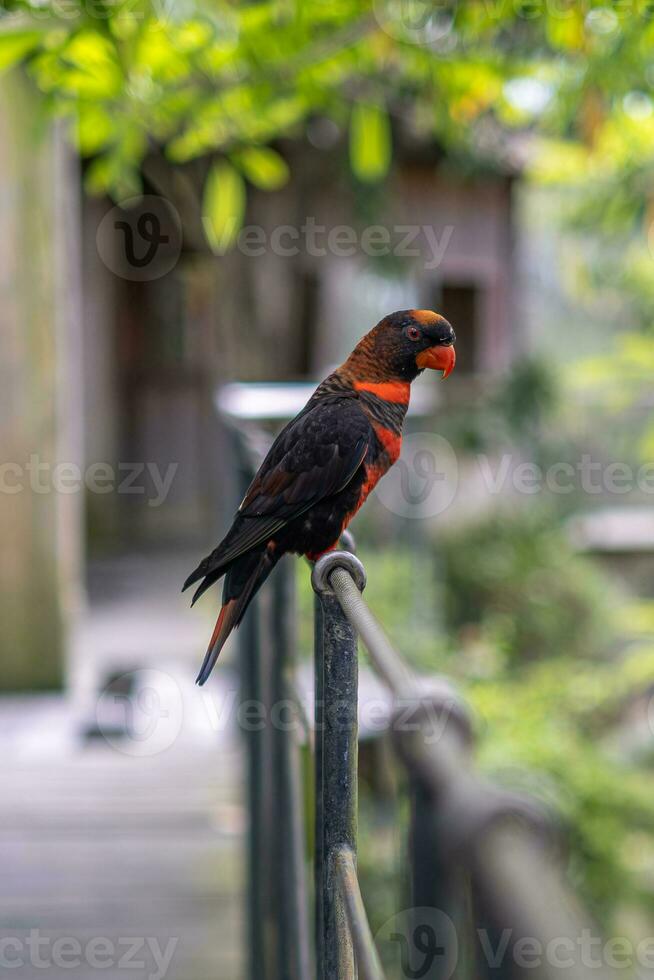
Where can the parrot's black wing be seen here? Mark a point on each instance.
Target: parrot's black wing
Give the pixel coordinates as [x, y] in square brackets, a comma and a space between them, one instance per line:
[314, 456]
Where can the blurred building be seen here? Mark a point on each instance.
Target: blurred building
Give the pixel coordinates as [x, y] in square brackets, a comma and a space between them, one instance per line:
[310, 273]
[129, 396]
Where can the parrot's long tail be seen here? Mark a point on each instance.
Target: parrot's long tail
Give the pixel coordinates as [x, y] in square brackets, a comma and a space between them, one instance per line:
[242, 582]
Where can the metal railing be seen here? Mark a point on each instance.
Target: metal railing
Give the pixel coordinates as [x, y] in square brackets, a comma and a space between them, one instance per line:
[482, 860]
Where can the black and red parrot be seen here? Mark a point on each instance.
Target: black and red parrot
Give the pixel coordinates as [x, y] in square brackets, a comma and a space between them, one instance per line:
[323, 464]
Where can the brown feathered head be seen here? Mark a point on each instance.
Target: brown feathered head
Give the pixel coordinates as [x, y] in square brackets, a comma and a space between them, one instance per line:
[402, 345]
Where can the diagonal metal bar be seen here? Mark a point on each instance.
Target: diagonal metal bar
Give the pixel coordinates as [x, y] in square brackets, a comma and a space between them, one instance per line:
[391, 668]
[367, 959]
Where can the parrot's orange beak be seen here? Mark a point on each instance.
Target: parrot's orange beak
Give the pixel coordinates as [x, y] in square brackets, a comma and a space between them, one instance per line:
[438, 358]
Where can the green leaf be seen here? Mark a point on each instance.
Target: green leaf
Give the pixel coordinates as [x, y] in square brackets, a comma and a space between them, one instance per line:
[15, 46]
[223, 206]
[96, 128]
[90, 68]
[263, 167]
[370, 142]
[110, 174]
[90, 50]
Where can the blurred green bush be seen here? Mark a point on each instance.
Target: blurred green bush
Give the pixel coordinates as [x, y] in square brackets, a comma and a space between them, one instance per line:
[515, 582]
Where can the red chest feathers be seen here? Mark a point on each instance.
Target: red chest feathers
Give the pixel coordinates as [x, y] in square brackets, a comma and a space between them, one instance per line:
[391, 444]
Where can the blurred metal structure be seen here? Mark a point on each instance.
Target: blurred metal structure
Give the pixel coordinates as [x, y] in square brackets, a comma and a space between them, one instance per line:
[483, 861]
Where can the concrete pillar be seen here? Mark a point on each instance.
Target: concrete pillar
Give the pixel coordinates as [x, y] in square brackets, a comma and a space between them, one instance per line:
[41, 416]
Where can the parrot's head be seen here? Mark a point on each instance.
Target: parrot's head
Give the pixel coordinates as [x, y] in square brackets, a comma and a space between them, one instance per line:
[403, 344]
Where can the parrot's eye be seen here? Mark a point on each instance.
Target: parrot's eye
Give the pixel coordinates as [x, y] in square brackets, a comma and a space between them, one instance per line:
[413, 333]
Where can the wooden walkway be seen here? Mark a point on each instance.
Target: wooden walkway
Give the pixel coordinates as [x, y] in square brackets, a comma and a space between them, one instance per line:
[102, 844]
[103, 841]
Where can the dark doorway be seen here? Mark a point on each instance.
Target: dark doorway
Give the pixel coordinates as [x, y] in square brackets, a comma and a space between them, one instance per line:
[460, 303]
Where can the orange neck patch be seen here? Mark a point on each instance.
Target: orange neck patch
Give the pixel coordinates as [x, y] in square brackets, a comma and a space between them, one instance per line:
[390, 391]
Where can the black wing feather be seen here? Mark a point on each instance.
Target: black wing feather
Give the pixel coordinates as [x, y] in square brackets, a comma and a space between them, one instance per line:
[314, 456]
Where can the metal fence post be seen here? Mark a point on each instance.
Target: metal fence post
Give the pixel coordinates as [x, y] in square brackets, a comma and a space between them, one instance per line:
[319, 726]
[336, 766]
[255, 692]
[435, 885]
[293, 959]
[256, 844]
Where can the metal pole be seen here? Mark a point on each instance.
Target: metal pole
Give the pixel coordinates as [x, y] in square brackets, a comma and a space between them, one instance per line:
[251, 687]
[336, 772]
[319, 727]
[293, 959]
[254, 690]
[435, 887]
